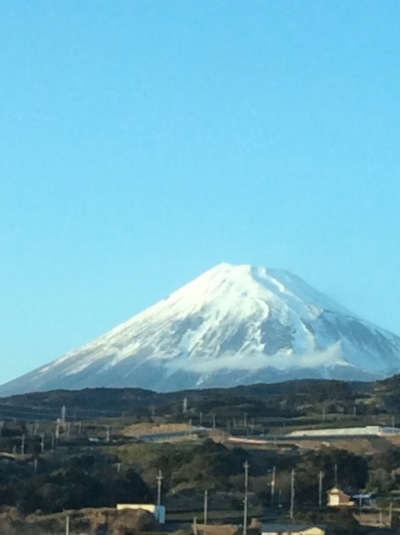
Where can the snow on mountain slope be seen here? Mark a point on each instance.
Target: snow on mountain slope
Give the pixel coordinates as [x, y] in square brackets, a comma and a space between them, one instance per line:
[232, 325]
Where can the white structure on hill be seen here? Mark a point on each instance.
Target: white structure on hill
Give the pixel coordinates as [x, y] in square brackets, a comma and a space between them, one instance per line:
[369, 430]
[158, 511]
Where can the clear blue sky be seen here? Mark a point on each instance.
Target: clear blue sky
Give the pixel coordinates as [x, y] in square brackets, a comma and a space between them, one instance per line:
[145, 141]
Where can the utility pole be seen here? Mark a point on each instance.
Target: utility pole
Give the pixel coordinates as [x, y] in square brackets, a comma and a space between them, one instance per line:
[184, 405]
[321, 477]
[205, 508]
[246, 488]
[292, 494]
[159, 482]
[42, 442]
[67, 525]
[273, 484]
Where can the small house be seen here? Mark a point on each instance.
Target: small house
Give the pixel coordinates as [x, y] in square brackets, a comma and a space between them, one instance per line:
[364, 500]
[338, 498]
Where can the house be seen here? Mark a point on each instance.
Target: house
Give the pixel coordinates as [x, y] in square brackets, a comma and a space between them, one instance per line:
[338, 498]
[158, 511]
[291, 529]
[364, 500]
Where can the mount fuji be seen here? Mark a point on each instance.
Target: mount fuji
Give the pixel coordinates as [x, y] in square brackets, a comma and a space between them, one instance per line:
[232, 325]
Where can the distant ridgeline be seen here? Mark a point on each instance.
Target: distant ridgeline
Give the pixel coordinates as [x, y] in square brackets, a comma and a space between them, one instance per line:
[311, 398]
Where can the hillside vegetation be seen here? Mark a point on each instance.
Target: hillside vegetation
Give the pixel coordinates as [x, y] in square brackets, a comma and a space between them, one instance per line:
[87, 449]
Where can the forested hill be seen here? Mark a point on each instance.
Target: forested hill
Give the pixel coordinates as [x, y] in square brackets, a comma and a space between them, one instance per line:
[287, 399]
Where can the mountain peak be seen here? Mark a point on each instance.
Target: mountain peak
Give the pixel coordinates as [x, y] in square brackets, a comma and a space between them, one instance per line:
[234, 324]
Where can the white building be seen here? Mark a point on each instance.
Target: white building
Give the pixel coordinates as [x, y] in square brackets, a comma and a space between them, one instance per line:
[369, 430]
[158, 511]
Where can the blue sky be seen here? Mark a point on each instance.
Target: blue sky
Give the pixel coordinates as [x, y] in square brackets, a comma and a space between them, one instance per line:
[144, 142]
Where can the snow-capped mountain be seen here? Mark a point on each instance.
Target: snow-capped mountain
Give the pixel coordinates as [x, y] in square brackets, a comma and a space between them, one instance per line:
[232, 325]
